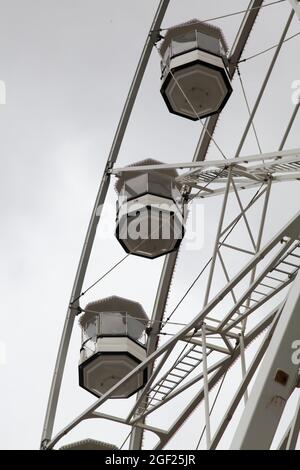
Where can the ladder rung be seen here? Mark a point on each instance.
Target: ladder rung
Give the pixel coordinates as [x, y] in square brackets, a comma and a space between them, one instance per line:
[176, 375]
[260, 293]
[172, 381]
[196, 358]
[160, 385]
[266, 285]
[197, 353]
[291, 264]
[275, 279]
[183, 370]
[281, 271]
[188, 364]
[153, 399]
[158, 391]
[293, 254]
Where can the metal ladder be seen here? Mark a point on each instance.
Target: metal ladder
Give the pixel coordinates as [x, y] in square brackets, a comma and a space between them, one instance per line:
[279, 276]
[181, 369]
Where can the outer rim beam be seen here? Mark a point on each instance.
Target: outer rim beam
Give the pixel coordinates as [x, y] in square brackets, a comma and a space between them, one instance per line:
[90, 236]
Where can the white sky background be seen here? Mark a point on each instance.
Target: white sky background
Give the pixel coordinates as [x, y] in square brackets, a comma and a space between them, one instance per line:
[67, 66]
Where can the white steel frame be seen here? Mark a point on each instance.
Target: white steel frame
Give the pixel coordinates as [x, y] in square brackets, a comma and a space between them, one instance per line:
[280, 256]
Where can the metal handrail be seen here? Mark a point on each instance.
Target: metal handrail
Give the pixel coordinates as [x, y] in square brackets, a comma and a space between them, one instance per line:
[99, 330]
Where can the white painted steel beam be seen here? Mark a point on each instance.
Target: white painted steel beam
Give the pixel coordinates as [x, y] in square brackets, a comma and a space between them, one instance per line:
[262, 157]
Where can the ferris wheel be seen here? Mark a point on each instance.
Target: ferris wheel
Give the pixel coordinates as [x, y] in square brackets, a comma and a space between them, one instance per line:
[250, 286]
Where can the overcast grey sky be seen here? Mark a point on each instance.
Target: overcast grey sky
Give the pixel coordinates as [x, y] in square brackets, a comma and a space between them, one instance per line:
[67, 65]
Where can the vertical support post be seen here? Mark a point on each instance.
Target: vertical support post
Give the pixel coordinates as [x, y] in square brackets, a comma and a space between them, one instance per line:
[289, 126]
[243, 363]
[219, 230]
[205, 387]
[259, 238]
